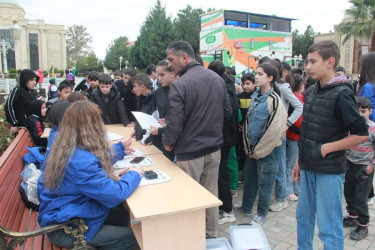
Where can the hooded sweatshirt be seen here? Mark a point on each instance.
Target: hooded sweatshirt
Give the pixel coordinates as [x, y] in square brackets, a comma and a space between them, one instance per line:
[16, 106]
[34, 123]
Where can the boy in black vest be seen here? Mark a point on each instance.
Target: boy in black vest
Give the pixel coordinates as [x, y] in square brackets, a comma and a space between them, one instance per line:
[331, 124]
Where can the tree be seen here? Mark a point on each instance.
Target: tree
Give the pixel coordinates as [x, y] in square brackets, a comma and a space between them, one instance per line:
[361, 23]
[89, 61]
[155, 35]
[187, 26]
[78, 42]
[302, 42]
[117, 48]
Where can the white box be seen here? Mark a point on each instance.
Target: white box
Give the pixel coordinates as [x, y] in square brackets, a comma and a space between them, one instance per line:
[246, 237]
[218, 244]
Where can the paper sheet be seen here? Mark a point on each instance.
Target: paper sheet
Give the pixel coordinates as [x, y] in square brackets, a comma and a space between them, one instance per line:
[161, 179]
[249, 238]
[145, 120]
[125, 163]
[113, 137]
[136, 153]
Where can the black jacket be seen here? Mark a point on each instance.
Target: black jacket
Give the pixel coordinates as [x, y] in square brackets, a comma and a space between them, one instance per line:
[145, 104]
[161, 100]
[36, 127]
[17, 105]
[230, 123]
[81, 86]
[113, 111]
[198, 103]
[130, 103]
[329, 114]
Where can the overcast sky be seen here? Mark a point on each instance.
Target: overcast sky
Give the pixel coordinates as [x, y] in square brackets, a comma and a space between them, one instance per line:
[109, 19]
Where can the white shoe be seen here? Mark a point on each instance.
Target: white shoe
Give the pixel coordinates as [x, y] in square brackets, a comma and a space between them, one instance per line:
[278, 206]
[226, 217]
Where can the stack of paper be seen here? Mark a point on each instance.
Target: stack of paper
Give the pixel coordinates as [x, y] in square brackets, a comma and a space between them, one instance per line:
[161, 179]
[125, 163]
[145, 120]
[113, 137]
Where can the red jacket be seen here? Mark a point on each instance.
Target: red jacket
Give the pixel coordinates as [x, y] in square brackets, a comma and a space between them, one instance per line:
[290, 133]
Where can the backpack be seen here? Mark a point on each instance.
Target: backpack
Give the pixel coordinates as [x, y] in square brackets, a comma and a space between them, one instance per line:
[29, 186]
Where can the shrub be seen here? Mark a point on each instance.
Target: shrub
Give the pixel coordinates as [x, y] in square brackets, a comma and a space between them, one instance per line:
[12, 71]
[45, 73]
[61, 72]
[5, 136]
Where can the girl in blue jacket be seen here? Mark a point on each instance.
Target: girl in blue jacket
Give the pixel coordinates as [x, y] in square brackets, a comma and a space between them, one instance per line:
[79, 181]
[367, 80]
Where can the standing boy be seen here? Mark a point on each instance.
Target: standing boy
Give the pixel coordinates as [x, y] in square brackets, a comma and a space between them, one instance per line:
[109, 101]
[151, 72]
[142, 87]
[64, 90]
[359, 176]
[130, 99]
[329, 115]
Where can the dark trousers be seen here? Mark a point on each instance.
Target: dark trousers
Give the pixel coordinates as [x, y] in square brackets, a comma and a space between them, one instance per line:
[356, 190]
[225, 194]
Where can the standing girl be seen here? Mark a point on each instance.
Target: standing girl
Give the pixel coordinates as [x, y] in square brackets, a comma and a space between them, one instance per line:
[79, 181]
[264, 129]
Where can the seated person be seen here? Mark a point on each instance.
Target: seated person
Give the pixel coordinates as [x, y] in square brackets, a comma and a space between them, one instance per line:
[79, 181]
[34, 122]
[109, 101]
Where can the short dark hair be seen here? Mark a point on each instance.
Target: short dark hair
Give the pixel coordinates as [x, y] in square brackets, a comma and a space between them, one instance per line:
[105, 79]
[340, 68]
[150, 68]
[326, 49]
[57, 111]
[87, 73]
[182, 47]
[286, 65]
[75, 96]
[118, 73]
[94, 76]
[296, 71]
[143, 79]
[85, 94]
[363, 102]
[230, 71]
[263, 60]
[64, 85]
[280, 69]
[164, 64]
[248, 76]
[130, 71]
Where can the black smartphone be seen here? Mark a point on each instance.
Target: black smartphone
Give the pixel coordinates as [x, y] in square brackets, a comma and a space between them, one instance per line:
[137, 160]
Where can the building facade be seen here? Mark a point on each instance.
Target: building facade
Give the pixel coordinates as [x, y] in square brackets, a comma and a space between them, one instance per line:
[40, 44]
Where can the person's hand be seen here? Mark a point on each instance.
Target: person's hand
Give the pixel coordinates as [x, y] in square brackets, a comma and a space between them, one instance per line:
[129, 151]
[238, 88]
[168, 148]
[127, 143]
[324, 150]
[131, 125]
[13, 129]
[132, 135]
[154, 130]
[296, 173]
[162, 122]
[138, 169]
[41, 98]
[369, 169]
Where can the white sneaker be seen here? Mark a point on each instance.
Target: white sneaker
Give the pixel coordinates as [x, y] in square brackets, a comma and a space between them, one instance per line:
[258, 220]
[226, 217]
[278, 206]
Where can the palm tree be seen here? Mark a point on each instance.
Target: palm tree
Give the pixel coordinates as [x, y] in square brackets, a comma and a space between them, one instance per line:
[361, 23]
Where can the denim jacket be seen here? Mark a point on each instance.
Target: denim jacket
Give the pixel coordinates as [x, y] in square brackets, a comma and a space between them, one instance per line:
[257, 115]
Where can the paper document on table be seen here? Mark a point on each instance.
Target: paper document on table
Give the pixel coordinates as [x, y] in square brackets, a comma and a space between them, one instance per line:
[161, 179]
[145, 120]
[113, 137]
[248, 237]
[134, 154]
[125, 163]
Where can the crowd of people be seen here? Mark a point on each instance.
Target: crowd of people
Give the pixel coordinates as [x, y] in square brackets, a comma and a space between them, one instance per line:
[304, 135]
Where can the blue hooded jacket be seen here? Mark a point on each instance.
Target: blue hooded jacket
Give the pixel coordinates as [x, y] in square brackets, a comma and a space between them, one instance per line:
[86, 192]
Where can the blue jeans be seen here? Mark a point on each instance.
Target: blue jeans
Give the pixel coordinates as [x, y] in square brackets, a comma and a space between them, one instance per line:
[112, 235]
[259, 175]
[280, 189]
[292, 187]
[320, 198]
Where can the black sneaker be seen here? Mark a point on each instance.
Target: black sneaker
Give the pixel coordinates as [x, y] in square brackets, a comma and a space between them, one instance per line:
[350, 221]
[359, 233]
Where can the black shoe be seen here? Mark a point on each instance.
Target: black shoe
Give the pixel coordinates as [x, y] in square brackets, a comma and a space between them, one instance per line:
[350, 221]
[359, 233]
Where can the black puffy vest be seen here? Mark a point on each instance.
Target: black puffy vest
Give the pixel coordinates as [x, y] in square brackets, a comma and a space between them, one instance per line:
[320, 125]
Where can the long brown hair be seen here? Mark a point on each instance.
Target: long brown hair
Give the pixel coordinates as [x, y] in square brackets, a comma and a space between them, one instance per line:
[81, 127]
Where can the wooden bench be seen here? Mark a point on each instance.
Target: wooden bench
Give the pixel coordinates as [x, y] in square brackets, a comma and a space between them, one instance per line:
[18, 224]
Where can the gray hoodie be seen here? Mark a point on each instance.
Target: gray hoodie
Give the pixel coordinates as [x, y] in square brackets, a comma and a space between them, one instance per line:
[288, 97]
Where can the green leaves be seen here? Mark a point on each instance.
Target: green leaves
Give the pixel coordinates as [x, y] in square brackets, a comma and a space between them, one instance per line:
[118, 47]
[302, 42]
[78, 42]
[360, 21]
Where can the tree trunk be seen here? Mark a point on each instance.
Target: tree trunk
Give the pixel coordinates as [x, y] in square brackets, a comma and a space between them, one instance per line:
[372, 45]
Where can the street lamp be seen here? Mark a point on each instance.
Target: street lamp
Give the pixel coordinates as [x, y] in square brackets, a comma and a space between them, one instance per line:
[126, 64]
[15, 33]
[120, 58]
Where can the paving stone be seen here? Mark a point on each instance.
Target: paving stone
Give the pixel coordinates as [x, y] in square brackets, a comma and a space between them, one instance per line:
[282, 246]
